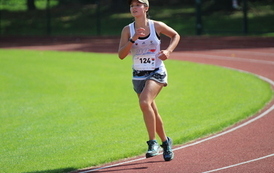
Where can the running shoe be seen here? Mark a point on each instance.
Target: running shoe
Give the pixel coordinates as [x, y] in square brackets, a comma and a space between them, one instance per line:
[167, 147]
[153, 148]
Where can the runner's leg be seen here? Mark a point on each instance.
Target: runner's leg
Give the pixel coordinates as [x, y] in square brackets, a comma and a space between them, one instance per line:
[159, 123]
[146, 99]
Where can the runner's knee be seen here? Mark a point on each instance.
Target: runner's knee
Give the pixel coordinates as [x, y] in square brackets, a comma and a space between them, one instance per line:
[144, 104]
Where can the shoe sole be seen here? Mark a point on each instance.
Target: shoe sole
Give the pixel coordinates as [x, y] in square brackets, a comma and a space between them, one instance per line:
[151, 155]
[169, 158]
[148, 155]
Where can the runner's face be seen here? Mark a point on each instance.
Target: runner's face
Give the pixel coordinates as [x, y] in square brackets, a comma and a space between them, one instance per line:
[137, 8]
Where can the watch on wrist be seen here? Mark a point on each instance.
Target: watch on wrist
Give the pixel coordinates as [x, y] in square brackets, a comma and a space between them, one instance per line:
[131, 40]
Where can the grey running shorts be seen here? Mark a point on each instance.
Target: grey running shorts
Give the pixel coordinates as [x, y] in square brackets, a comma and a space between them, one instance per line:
[140, 78]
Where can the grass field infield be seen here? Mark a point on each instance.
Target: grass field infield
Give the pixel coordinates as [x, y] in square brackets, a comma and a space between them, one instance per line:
[62, 111]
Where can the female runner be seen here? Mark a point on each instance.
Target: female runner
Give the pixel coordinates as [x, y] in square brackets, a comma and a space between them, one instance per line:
[142, 39]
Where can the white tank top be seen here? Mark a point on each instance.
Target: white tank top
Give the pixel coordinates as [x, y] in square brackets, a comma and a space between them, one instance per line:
[144, 51]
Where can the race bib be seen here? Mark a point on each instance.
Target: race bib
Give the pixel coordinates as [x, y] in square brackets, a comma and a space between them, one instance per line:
[144, 62]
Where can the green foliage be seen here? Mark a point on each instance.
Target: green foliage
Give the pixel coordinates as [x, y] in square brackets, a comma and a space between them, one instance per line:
[62, 111]
[21, 5]
[82, 18]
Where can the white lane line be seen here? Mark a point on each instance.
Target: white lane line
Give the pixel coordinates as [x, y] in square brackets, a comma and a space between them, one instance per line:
[242, 163]
[227, 58]
[203, 140]
[246, 52]
[110, 166]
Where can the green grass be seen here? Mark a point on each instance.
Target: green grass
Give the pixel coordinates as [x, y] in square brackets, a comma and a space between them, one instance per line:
[62, 111]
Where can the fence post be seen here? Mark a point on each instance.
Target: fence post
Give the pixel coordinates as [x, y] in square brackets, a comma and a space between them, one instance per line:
[48, 18]
[199, 26]
[245, 19]
[1, 32]
[98, 21]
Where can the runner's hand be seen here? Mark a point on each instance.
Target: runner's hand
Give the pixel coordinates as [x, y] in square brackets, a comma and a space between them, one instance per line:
[140, 32]
[164, 54]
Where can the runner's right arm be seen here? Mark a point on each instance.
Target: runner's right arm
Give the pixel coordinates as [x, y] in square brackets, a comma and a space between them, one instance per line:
[125, 44]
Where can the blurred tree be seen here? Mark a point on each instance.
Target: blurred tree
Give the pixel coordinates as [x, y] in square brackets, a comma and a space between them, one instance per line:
[31, 5]
[83, 2]
[172, 2]
[63, 2]
[217, 5]
[119, 5]
[87, 1]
